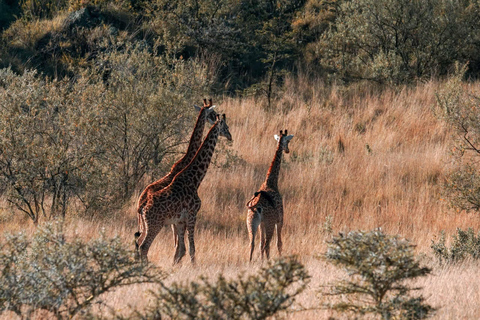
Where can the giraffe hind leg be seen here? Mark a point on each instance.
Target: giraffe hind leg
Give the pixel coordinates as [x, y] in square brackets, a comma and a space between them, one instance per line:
[262, 238]
[180, 249]
[151, 228]
[279, 238]
[269, 229]
[253, 221]
[191, 244]
[144, 245]
[175, 235]
[139, 235]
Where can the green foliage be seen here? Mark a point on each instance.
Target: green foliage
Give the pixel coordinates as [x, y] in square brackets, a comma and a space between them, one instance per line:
[254, 44]
[460, 108]
[258, 296]
[277, 40]
[44, 142]
[465, 244]
[62, 278]
[143, 110]
[378, 266]
[398, 41]
[92, 140]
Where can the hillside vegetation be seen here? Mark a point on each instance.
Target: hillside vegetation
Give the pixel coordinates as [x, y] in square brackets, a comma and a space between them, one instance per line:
[96, 102]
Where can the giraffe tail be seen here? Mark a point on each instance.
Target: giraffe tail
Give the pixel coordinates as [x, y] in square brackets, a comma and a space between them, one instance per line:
[137, 235]
[264, 194]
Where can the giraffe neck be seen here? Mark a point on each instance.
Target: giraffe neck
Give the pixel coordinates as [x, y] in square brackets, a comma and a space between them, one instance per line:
[193, 146]
[271, 180]
[194, 173]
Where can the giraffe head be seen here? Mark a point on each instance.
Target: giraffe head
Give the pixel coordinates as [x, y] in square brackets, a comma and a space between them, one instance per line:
[210, 114]
[283, 140]
[222, 125]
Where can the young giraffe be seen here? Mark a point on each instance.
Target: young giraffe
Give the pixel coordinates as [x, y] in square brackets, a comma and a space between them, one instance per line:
[206, 114]
[178, 203]
[265, 209]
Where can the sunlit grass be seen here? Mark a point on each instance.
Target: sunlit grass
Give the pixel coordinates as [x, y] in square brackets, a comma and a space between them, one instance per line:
[359, 160]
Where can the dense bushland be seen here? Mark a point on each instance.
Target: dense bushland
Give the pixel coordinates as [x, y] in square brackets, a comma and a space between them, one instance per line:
[254, 43]
[90, 141]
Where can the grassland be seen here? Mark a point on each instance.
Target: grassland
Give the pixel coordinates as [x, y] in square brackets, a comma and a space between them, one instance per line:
[360, 159]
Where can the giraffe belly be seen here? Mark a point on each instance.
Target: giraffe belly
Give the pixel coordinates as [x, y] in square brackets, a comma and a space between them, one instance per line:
[181, 216]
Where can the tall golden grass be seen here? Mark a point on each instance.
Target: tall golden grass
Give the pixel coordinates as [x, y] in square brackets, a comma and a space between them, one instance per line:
[361, 158]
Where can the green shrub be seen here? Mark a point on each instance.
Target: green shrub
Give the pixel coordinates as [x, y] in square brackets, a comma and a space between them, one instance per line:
[92, 140]
[465, 244]
[63, 278]
[258, 296]
[460, 109]
[378, 266]
[398, 41]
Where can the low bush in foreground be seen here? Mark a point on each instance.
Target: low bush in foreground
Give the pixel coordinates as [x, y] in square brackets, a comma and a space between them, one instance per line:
[272, 290]
[59, 279]
[378, 266]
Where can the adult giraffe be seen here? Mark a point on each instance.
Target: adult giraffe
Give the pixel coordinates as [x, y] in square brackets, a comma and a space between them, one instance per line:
[179, 203]
[206, 114]
[265, 209]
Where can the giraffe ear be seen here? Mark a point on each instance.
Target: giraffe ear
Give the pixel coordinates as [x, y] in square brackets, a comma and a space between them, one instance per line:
[277, 137]
[197, 107]
[289, 137]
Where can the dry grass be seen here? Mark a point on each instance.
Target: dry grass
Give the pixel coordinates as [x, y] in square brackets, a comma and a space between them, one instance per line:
[360, 159]
[25, 35]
